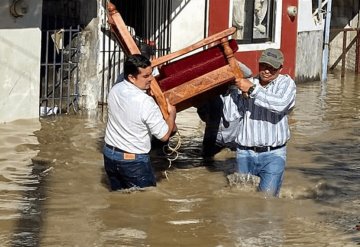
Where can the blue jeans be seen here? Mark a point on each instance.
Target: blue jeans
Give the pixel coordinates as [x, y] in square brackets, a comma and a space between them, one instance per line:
[125, 173]
[269, 166]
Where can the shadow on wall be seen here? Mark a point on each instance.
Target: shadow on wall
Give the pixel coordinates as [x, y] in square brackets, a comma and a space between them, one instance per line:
[66, 13]
[46, 14]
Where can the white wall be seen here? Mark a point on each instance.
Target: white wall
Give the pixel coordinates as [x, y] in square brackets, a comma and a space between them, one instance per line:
[306, 22]
[310, 34]
[20, 51]
[309, 56]
[188, 20]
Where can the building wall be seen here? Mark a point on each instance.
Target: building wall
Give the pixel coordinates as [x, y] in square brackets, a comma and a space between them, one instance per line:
[310, 35]
[188, 23]
[20, 51]
[289, 38]
[219, 20]
[345, 13]
[309, 61]
[90, 66]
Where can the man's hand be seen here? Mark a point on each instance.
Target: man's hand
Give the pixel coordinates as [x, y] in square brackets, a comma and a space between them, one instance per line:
[170, 121]
[243, 84]
[171, 109]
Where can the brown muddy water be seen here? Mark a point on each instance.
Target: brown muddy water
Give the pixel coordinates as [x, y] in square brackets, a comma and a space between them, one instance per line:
[54, 192]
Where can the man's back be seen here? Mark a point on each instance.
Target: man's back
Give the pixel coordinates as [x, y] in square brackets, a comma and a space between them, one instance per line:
[132, 113]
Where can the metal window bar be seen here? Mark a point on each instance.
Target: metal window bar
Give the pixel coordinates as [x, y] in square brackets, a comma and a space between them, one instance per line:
[60, 72]
[150, 20]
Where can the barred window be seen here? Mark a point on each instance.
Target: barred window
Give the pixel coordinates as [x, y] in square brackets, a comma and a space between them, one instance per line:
[257, 21]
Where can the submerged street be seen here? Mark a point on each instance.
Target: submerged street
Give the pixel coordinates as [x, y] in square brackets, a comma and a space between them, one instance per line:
[54, 191]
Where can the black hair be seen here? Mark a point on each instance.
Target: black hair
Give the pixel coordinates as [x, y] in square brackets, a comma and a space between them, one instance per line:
[133, 63]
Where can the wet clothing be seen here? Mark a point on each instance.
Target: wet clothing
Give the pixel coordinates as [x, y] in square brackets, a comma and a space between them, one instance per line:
[268, 165]
[127, 173]
[133, 117]
[219, 133]
[262, 129]
[264, 116]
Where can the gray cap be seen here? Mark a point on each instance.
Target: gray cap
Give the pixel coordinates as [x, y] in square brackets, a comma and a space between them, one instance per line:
[273, 57]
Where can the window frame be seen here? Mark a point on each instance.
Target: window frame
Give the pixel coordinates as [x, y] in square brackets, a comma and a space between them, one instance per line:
[277, 30]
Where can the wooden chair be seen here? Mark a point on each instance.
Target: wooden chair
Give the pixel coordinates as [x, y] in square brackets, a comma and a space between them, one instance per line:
[188, 80]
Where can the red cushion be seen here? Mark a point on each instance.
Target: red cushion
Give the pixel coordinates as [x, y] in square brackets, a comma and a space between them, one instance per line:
[193, 66]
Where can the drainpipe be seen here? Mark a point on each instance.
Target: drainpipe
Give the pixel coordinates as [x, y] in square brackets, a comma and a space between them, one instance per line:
[325, 57]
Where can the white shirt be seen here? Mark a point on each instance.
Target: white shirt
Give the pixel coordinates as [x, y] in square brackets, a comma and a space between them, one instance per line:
[133, 117]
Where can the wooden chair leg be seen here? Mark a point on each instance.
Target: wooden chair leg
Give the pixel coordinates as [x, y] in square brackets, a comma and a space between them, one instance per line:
[232, 62]
[159, 97]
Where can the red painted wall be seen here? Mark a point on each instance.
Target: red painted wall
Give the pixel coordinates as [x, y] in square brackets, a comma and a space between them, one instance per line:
[219, 20]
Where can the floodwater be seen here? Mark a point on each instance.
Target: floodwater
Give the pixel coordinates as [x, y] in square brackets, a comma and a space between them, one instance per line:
[54, 192]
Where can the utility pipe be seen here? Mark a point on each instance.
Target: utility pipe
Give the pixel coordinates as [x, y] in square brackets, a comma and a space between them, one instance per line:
[325, 57]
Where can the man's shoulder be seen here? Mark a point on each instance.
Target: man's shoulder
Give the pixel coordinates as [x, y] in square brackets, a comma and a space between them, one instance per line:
[117, 86]
[148, 101]
[285, 78]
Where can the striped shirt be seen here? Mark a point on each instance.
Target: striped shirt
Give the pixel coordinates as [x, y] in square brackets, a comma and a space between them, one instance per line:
[263, 118]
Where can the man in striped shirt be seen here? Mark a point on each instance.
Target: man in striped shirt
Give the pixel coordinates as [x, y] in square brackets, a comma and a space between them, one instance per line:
[263, 128]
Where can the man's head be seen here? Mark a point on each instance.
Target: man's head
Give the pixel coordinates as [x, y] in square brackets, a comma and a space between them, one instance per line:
[137, 69]
[270, 64]
[272, 57]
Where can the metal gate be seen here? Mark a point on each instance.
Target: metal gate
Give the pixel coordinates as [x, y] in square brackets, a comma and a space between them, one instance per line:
[59, 72]
[60, 51]
[148, 22]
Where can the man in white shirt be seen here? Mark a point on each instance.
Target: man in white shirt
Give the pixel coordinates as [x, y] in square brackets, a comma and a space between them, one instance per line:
[133, 117]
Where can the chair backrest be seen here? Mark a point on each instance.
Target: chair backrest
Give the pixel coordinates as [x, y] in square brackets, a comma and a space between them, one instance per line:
[188, 68]
[186, 78]
[129, 47]
[121, 31]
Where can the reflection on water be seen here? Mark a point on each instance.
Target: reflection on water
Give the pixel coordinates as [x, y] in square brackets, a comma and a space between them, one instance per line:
[18, 182]
[54, 191]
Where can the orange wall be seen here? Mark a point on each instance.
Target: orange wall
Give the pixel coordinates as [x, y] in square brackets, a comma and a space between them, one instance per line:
[219, 20]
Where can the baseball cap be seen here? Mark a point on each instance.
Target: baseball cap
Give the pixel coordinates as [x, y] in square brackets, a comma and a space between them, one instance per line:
[273, 57]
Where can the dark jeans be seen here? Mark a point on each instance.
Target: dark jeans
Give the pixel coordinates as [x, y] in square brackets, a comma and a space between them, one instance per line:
[125, 173]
